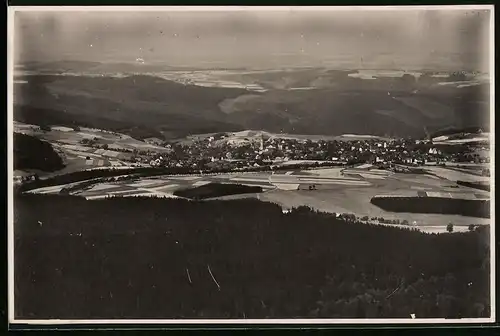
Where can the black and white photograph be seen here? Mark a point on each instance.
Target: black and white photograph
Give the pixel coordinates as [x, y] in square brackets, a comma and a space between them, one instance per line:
[251, 165]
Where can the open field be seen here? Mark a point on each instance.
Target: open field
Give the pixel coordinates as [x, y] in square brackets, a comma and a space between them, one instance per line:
[335, 190]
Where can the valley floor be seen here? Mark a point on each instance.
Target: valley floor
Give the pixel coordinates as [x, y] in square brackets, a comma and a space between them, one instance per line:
[334, 190]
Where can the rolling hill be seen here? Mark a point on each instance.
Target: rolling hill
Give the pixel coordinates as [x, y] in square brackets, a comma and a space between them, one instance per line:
[301, 101]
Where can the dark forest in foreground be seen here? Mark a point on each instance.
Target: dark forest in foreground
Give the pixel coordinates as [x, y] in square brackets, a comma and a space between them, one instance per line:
[157, 258]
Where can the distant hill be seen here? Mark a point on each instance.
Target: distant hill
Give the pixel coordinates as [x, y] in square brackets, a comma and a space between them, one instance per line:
[147, 103]
[302, 101]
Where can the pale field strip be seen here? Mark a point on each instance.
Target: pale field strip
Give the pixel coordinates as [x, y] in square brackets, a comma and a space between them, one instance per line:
[20, 125]
[143, 192]
[248, 179]
[160, 184]
[89, 135]
[124, 166]
[99, 163]
[106, 152]
[150, 185]
[367, 171]
[102, 186]
[87, 193]
[77, 147]
[144, 183]
[419, 188]
[47, 190]
[287, 186]
[326, 178]
[117, 192]
[185, 178]
[96, 197]
[328, 173]
[115, 163]
[78, 153]
[454, 175]
[439, 194]
[438, 229]
[395, 196]
[365, 166]
[311, 177]
[111, 153]
[318, 180]
[442, 229]
[372, 176]
[55, 188]
[62, 129]
[200, 183]
[468, 170]
[65, 141]
[381, 171]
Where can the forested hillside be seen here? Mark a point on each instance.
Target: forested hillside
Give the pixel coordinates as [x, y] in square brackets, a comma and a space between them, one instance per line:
[158, 258]
[330, 103]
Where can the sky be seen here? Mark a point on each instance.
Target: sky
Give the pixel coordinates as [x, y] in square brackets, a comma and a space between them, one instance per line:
[409, 39]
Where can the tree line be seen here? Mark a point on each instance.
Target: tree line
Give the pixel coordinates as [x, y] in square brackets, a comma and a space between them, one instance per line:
[438, 205]
[216, 190]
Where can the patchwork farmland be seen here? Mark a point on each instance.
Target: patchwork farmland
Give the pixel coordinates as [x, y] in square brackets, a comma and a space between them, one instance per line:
[329, 189]
[339, 190]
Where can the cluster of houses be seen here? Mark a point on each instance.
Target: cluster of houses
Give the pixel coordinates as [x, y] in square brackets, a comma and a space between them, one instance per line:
[214, 151]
